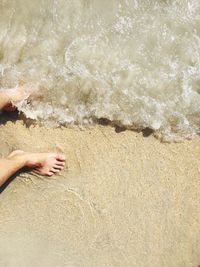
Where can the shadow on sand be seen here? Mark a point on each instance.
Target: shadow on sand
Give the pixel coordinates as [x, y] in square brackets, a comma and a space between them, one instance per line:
[6, 116]
[6, 184]
[120, 128]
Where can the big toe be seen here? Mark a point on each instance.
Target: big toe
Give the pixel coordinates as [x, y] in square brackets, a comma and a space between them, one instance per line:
[60, 157]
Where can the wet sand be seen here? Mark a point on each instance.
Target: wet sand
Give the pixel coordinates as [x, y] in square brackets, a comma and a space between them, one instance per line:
[124, 200]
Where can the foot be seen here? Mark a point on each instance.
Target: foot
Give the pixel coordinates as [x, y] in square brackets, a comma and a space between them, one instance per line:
[17, 94]
[42, 163]
[20, 93]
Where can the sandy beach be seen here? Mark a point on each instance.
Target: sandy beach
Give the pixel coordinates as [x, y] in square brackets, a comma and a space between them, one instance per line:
[130, 194]
[124, 200]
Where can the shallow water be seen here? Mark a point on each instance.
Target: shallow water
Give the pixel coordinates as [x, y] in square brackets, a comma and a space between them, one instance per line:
[136, 63]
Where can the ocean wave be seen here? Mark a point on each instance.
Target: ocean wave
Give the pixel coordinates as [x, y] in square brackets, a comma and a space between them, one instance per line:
[134, 63]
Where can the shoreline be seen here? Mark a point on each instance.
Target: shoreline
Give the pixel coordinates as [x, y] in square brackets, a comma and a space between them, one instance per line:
[124, 200]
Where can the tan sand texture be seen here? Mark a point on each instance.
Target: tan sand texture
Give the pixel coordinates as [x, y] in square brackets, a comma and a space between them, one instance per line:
[124, 200]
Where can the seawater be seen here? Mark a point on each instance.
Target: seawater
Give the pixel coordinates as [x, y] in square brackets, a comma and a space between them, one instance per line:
[135, 63]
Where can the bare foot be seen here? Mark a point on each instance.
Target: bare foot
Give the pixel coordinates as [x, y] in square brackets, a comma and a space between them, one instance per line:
[22, 92]
[41, 163]
[17, 94]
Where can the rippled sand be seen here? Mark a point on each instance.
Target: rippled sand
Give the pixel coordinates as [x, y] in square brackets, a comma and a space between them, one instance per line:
[124, 200]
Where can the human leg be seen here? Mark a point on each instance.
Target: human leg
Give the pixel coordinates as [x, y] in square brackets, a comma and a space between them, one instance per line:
[8, 167]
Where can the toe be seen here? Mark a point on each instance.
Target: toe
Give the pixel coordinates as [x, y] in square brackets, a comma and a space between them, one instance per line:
[57, 167]
[59, 163]
[60, 157]
[55, 170]
[50, 173]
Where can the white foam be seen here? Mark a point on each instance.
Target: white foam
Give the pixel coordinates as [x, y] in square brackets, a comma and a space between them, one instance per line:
[133, 62]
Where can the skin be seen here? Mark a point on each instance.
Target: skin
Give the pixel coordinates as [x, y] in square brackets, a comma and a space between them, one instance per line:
[41, 163]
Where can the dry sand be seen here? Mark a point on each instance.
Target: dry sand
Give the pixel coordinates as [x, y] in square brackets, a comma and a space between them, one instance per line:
[124, 200]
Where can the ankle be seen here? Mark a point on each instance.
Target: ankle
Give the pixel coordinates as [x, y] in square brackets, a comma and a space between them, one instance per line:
[19, 161]
[32, 161]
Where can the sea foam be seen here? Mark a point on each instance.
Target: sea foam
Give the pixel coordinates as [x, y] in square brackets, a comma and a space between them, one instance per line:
[134, 63]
